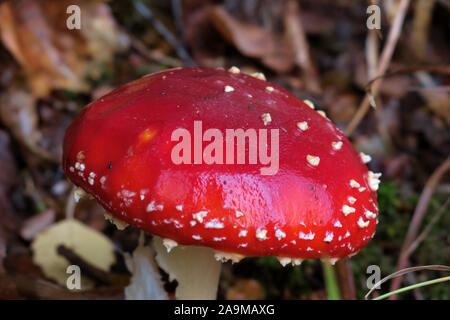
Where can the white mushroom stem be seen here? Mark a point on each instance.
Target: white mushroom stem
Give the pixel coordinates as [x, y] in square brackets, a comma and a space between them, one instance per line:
[195, 269]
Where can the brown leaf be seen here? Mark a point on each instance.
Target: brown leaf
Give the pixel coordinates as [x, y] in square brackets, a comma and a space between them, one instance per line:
[253, 41]
[18, 113]
[51, 55]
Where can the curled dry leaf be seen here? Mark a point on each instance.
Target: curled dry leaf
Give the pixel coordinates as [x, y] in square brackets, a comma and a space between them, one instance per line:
[51, 55]
[92, 246]
[18, 113]
[253, 41]
[141, 263]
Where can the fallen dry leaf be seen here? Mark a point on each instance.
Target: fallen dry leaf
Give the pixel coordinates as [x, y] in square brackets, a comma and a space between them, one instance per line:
[51, 55]
[18, 113]
[92, 246]
[253, 41]
[141, 263]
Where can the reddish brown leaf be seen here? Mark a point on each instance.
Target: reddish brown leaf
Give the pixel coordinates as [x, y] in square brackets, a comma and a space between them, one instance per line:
[51, 55]
[253, 41]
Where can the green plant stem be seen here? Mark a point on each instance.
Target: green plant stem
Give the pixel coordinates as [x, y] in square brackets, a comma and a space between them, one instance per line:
[414, 286]
[331, 283]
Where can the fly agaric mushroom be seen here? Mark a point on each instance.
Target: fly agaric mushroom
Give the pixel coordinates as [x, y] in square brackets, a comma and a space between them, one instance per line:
[317, 201]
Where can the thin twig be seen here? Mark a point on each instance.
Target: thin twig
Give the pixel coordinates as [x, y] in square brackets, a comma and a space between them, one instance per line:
[386, 56]
[410, 69]
[177, 12]
[428, 228]
[423, 11]
[71, 204]
[168, 36]
[88, 269]
[372, 45]
[417, 218]
[371, 50]
[37, 288]
[402, 272]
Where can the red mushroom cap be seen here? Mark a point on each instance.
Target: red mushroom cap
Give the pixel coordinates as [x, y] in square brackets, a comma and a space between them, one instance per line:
[320, 203]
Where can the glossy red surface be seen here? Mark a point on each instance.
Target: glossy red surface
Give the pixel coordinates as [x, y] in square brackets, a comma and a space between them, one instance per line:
[119, 150]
